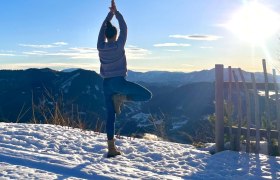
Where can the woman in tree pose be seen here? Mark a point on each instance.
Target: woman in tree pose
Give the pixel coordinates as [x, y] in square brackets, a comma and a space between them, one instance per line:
[114, 71]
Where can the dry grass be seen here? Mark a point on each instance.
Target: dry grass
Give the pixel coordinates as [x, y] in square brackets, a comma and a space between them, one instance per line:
[51, 110]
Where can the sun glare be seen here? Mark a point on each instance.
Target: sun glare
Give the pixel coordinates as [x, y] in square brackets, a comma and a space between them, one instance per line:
[254, 23]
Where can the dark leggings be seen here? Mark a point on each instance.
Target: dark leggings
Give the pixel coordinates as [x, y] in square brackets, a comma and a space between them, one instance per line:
[119, 85]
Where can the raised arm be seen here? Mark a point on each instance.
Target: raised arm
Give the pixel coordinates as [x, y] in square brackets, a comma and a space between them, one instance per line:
[101, 36]
[123, 29]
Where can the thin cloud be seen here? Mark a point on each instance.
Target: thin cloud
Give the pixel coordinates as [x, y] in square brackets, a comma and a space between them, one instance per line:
[56, 66]
[188, 65]
[172, 45]
[173, 50]
[45, 46]
[197, 37]
[134, 52]
[131, 46]
[60, 43]
[38, 53]
[79, 53]
[206, 47]
[6, 54]
[72, 53]
[9, 53]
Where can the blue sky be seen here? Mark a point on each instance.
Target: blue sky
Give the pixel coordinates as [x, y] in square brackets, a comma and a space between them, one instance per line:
[171, 35]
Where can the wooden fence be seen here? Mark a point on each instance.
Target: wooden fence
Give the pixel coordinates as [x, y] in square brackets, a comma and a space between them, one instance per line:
[246, 99]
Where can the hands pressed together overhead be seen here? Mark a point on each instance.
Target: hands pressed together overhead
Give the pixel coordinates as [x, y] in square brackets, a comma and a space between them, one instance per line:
[113, 7]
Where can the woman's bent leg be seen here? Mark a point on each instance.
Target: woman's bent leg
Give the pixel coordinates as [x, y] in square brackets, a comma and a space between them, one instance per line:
[133, 91]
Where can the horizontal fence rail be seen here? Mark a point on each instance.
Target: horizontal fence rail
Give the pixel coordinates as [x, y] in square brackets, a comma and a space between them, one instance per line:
[259, 86]
[263, 134]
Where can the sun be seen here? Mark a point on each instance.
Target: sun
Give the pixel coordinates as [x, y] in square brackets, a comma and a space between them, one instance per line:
[254, 23]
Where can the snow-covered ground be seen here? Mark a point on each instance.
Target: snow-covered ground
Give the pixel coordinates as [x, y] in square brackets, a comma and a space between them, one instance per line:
[53, 152]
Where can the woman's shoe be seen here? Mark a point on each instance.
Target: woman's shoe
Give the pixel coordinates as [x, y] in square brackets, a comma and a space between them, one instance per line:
[112, 150]
[118, 100]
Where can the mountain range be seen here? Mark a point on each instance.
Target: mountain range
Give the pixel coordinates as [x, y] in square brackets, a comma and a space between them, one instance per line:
[181, 78]
[180, 105]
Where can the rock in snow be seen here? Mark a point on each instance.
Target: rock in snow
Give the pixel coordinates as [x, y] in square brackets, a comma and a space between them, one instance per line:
[29, 151]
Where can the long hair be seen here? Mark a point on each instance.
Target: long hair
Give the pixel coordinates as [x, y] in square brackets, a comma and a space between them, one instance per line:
[110, 31]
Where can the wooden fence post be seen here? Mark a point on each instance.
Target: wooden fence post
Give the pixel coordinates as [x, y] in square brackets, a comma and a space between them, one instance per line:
[267, 108]
[257, 113]
[219, 98]
[239, 113]
[248, 111]
[277, 107]
[230, 107]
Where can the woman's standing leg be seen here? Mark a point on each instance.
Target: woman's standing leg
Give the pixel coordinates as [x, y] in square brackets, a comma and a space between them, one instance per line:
[110, 123]
[111, 117]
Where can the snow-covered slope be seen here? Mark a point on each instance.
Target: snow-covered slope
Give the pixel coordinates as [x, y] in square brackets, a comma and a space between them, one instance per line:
[53, 152]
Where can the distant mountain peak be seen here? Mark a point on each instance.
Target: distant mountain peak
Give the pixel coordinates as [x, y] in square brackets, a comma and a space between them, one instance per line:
[70, 69]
